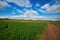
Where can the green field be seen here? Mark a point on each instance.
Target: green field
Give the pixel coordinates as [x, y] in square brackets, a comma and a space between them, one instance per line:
[55, 22]
[22, 29]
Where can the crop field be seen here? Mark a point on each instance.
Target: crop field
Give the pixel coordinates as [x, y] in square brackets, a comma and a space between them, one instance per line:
[53, 31]
[22, 29]
[56, 22]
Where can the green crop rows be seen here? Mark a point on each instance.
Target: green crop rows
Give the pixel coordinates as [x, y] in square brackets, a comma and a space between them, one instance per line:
[10, 30]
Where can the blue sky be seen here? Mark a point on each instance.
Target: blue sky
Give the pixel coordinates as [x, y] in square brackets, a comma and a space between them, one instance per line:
[30, 9]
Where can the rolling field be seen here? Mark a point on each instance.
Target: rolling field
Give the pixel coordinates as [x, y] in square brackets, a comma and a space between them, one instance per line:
[22, 29]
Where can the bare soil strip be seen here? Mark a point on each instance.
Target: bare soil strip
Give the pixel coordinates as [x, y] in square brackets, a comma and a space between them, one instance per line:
[52, 33]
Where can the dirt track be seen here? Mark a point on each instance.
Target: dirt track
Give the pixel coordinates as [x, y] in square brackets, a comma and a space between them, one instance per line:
[52, 33]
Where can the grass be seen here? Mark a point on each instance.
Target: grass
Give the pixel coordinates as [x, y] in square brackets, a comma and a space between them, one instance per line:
[22, 29]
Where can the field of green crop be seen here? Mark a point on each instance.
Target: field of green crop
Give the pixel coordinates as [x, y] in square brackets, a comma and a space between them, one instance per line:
[55, 22]
[22, 30]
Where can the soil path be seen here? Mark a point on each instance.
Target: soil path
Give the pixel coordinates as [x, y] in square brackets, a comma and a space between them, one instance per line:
[52, 33]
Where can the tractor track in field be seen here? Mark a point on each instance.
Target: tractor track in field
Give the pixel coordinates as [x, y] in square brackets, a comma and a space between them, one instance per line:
[53, 32]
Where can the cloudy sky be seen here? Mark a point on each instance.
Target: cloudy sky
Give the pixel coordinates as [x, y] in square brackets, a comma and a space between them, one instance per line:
[30, 9]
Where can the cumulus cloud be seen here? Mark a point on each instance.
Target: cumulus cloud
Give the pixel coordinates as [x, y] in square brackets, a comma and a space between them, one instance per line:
[55, 8]
[45, 6]
[57, 1]
[3, 17]
[29, 14]
[24, 3]
[32, 15]
[51, 18]
[4, 4]
[37, 4]
[17, 11]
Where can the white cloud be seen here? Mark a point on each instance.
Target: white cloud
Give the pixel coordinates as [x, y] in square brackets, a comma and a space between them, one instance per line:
[42, 10]
[29, 14]
[45, 6]
[37, 4]
[51, 18]
[51, 9]
[57, 1]
[13, 12]
[25, 3]
[17, 11]
[32, 15]
[3, 17]
[4, 4]
[54, 9]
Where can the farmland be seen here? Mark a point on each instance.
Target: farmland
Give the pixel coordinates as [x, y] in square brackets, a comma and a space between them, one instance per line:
[22, 29]
[53, 31]
[55, 22]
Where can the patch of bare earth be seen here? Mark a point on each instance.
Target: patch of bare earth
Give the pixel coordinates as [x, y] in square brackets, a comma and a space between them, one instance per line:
[52, 33]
